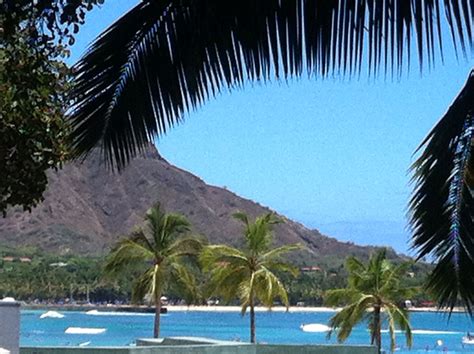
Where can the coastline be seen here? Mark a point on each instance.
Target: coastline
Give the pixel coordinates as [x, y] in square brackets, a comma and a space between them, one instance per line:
[217, 308]
[205, 308]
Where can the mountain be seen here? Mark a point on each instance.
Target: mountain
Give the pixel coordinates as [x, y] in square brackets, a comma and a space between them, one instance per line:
[87, 209]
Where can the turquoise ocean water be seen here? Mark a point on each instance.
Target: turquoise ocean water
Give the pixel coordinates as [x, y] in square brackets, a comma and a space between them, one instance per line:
[272, 327]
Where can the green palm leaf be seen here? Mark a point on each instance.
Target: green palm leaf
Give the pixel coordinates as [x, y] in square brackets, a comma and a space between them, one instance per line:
[143, 286]
[164, 58]
[400, 318]
[279, 251]
[128, 251]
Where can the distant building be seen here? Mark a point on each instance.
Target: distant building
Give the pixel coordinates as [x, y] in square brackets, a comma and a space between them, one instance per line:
[311, 269]
[25, 259]
[8, 259]
[58, 264]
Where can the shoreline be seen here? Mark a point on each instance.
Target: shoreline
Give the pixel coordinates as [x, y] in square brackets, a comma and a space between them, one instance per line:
[205, 308]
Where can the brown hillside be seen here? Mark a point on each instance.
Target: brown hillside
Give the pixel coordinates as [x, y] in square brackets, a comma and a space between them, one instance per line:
[87, 209]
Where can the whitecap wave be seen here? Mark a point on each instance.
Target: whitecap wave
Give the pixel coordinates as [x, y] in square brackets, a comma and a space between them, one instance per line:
[52, 314]
[84, 330]
[423, 331]
[117, 313]
[427, 331]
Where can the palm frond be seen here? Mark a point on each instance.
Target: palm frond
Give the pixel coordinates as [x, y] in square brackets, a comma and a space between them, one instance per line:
[276, 253]
[246, 292]
[143, 286]
[269, 287]
[165, 58]
[442, 203]
[258, 235]
[337, 297]
[165, 227]
[391, 280]
[242, 217]
[185, 283]
[391, 329]
[281, 267]
[343, 321]
[228, 268]
[221, 255]
[128, 252]
[355, 265]
[225, 282]
[400, 317]
[185, 246]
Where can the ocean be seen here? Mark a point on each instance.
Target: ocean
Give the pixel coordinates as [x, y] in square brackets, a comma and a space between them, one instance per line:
[433, 332]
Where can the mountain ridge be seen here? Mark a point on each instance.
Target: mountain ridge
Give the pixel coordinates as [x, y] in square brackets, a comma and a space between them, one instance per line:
[87, 209]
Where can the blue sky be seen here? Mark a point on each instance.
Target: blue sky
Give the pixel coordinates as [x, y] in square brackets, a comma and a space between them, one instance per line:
[333, 154]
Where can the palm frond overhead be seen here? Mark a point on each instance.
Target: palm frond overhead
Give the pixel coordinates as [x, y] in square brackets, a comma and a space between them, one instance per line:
[442, 205]
[165, 58]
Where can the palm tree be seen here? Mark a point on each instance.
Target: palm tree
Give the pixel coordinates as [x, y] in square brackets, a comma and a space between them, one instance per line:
[249, 274]
[164, 58]
[373, 294]
[163, 249]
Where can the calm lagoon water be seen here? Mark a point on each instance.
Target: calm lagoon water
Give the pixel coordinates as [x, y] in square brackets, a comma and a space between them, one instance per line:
[272, 327]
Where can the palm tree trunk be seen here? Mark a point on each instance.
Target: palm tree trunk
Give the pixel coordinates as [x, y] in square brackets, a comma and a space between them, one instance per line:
[156, 328]
[252, 322]
[377, 329]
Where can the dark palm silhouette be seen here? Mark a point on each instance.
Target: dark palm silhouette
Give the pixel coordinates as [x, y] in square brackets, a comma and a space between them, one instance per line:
[164, 58]
[442, 205]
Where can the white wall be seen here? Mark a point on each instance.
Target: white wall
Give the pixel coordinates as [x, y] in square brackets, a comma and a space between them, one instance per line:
[10, 325]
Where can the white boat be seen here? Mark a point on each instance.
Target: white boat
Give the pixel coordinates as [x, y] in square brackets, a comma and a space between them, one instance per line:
[82, 330]
[52, 314]
[314, 327]
[468, 340]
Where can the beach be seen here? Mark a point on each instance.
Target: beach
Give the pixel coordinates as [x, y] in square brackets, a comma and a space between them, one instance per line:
[257, 309]
[212, 308]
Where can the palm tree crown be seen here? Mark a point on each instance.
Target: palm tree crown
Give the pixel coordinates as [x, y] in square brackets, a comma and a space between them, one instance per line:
[249, 274]
[372, 294]
[163, 251]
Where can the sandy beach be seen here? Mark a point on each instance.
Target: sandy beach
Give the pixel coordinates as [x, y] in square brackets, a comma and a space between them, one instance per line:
[172, 308]
[257, 309]
[204, 308]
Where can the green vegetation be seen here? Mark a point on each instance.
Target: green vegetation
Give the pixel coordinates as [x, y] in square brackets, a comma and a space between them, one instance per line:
[26, 280]
[33, 276]
[33, 87]
[373, 294]
[32, 127]
[249, 274]
[163, 249]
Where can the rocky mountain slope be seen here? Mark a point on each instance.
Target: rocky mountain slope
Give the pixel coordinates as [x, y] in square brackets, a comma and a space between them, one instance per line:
[88, 208]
